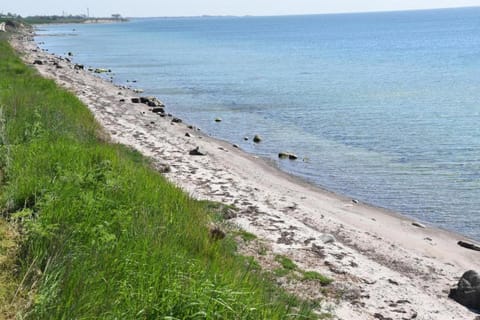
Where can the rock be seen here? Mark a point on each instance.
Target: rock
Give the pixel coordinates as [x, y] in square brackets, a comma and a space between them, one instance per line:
[468, 245]
[418, 225]
[327, 238]
[138, 90]
[245, 138]
[355, 201]
[177, 120]
[122, 100]
[197, 152]
[135, 100]
[78, 67]
[189, 135]
[101, 70]
[218, 119]
[216, 233]
[70, 54]
[163, 168]
[289, 155]
[158, 110]
[236, 146]
[257, 138]
[39, 62]
[467, 292]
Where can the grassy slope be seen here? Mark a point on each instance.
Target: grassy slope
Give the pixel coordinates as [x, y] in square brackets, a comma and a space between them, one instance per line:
[104, 236]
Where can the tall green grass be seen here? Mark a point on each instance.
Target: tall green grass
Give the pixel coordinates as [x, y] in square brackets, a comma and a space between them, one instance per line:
[105, 236]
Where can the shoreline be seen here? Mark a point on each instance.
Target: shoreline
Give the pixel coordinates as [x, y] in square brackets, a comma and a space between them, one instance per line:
[378, 254]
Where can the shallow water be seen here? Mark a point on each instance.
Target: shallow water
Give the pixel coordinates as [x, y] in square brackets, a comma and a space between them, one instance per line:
[382, 107]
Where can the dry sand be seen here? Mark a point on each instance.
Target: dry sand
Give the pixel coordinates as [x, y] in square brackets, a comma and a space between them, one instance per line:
[384, 267]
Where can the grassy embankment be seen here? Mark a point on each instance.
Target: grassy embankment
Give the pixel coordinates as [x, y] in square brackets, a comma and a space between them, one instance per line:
[102, 234]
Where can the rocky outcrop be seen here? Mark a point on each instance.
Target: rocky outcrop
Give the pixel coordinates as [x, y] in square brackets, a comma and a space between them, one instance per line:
[467, 292]
[287, 155]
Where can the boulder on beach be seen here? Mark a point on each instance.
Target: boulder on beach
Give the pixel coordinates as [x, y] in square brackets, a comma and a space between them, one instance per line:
[79, 66]
[135, 100]
[39, 62]
[467, 292]
[176, 120]
[257, 138]
[158, 110]
[197, 152]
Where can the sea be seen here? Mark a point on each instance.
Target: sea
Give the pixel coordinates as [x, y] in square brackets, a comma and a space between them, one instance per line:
[381, 107]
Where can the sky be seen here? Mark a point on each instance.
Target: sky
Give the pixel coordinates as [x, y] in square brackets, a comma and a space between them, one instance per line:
[152, 8]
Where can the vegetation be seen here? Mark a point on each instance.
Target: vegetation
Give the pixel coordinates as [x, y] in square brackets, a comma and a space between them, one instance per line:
[103, 236]
[315, 276]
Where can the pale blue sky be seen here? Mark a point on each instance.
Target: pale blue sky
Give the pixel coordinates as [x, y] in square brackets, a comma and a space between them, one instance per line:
[149, 8]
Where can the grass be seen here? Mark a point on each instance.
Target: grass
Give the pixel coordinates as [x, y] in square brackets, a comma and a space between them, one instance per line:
[315, 276]
[103, 235]
[285, 262]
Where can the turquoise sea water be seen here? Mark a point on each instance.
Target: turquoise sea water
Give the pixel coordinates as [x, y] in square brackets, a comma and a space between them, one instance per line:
[382, 107]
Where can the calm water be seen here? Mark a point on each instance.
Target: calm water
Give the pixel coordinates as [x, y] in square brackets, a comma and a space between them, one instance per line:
[383, 107]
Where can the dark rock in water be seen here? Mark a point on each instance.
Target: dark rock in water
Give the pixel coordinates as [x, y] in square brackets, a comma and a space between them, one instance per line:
[468, 245]
[218, 119]
[177, 120]
[197, 152]
[467, 292]
[39, 62]
[158, 110]
[257, 138]
[70, 54]
[135, 100]
[285, 155]
[418, 225]
[245, 138]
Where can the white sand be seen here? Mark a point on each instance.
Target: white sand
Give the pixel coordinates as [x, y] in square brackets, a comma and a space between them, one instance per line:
[385, 267]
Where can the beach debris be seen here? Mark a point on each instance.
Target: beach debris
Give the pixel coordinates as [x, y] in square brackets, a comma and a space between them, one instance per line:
[218, 119]
[176, 120]
[135, 100]
[418, 225]
[39, 62]
[197, 152]
[467, 292]
[468, 245]
[257, 138]
[289, 155]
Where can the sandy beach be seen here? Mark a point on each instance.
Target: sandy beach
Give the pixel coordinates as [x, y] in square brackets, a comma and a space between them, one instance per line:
[384, 265]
